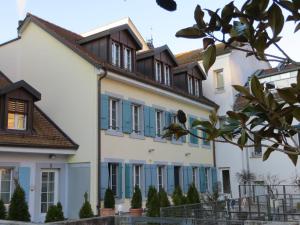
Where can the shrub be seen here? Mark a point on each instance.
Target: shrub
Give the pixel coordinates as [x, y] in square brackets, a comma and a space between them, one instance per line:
[18, 208]
[192, 195]
[55, 213]
[136, 201]
[163, 198]
[2, 210]
[109, 199]
[178, 198]
[152, 202]
[86, 209]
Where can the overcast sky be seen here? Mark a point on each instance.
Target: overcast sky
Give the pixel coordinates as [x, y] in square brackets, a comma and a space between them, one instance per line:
[83, 15]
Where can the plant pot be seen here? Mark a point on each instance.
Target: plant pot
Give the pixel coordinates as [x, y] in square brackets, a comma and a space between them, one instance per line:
[136, 212]
[107, 212]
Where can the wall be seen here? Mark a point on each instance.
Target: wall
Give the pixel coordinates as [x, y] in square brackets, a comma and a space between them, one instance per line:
[68, 85]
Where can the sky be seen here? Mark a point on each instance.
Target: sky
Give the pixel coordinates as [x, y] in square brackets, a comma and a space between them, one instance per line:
[152, 21]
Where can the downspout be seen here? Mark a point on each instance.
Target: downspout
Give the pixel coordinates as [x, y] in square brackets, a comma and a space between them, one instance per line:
[102, 74]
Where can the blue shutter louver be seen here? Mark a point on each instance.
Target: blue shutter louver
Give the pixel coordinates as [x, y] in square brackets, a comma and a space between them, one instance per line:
[147, 121]
[152, 126]
[104, 117]
[170, 179]
[214, 178]
[24, 180]
[190, 175]
[147, 173]
[120, 183]
[127, 116]
[185, 179]
[104, 178]
[128, 181]
[193, 139]
[202, 179]
[153, 175]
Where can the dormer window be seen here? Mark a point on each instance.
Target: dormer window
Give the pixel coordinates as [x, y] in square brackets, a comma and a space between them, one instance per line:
[158, 76]
[197, 90]
[167, 75]
[190, 85]
[116, 54]
[17, 114]
[128, 59]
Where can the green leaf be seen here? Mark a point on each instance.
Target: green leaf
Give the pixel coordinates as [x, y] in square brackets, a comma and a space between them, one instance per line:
[297, 28]
[169, 5]
[209, 57]
[243, 139]
[227, 12]
[294, 158]
[296, 113]
[256, 88]
[198, 15]
[207, 42]
[287, 95]
[190, 32]
[276, 19]
[267, 153]
[241, 89]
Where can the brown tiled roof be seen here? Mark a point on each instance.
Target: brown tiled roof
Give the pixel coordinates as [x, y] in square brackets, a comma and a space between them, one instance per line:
[187, 66]
[72, 40]
[45, 134]
[197, 54]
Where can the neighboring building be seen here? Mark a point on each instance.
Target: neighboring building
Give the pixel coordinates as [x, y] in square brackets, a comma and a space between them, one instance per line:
[33, 149]
[231, 67]
[114, 95]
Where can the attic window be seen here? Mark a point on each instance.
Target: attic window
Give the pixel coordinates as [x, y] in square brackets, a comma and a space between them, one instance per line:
[116, 54]
[128, 59]
[17, 114]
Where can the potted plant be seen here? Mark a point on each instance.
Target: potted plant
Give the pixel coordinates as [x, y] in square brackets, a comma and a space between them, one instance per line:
[86, 209]
[109, 203]
[136, 202]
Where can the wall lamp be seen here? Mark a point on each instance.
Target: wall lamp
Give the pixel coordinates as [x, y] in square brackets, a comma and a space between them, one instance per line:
[151, 150]
[187, 154]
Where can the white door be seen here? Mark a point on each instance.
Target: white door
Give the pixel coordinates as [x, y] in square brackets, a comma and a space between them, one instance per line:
[49, 190]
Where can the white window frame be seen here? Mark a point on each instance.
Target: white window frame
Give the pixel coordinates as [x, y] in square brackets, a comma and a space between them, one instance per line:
[127, 58]
[139, 128]
[219, 87]
[10, 185]
[116, 54]
[117, 119]
[159, 123]
[197, 90]
[158, 75]
[160, 169]
[56, 180]
[190, 84]
[139, 167]
[167, 75]
[111, 165]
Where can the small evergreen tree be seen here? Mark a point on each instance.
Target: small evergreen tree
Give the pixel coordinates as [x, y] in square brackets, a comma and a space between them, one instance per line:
[109, 199]
[177, 197]
[55, 213]
[2, 210]
[192, 195]
[163, 198]
[152, 203]
[18, 208]
[136, 201]
[86, 209]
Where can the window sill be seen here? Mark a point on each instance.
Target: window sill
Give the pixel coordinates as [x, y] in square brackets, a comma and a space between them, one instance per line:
[114, 133]
[194, 145]
[206, 146]
[137, 136]
[176, 142]
[159, 139]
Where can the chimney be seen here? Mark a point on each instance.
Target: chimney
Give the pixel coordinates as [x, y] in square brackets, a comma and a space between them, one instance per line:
[150, 43]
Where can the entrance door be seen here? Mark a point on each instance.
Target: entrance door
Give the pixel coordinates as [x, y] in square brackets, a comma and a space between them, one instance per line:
[49, 190]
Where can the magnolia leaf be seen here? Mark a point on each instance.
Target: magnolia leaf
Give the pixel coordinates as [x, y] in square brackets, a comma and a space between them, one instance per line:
[256, 88]
[209, 57]
[198, 15]
[268, 152]
[190, 32]
[297, 28]
[294, 158]
[204, 123]
[276, 19]
[243, 90]
[207, 42]
[296, 113]
[169, 5]
[287, 95]
[181, 116]
[243, 139]
[227, 12]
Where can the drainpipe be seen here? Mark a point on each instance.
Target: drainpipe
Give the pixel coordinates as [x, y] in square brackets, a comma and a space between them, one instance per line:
[100, 76]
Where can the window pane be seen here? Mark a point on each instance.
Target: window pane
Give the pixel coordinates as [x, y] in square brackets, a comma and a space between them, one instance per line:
[5, 186]
[43, 207]
[5, 197]
[11, 121]
[44, 197]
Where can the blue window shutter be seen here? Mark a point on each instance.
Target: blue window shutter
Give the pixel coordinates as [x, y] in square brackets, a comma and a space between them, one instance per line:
[104, 178]
[128, 181]
[104, 112]
[24, 180]
[190, 175]
[168, 119]
[193, 140]
[147, 121]
[147, 173]
[154, 175]
[204, 135]
[170, 179]
[152, 122]
[127, 117]
[120, 183]
[185, 179]
[202, 179]
[214, 178]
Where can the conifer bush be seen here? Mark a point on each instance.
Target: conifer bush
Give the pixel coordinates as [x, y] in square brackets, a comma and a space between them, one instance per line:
[18, 208]
[55, 213]
[177, 197]
[192, 195]
[86, 209]
[109, 199]
[163, 198]
[136, 201]
[2, 210]
[152, 203]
